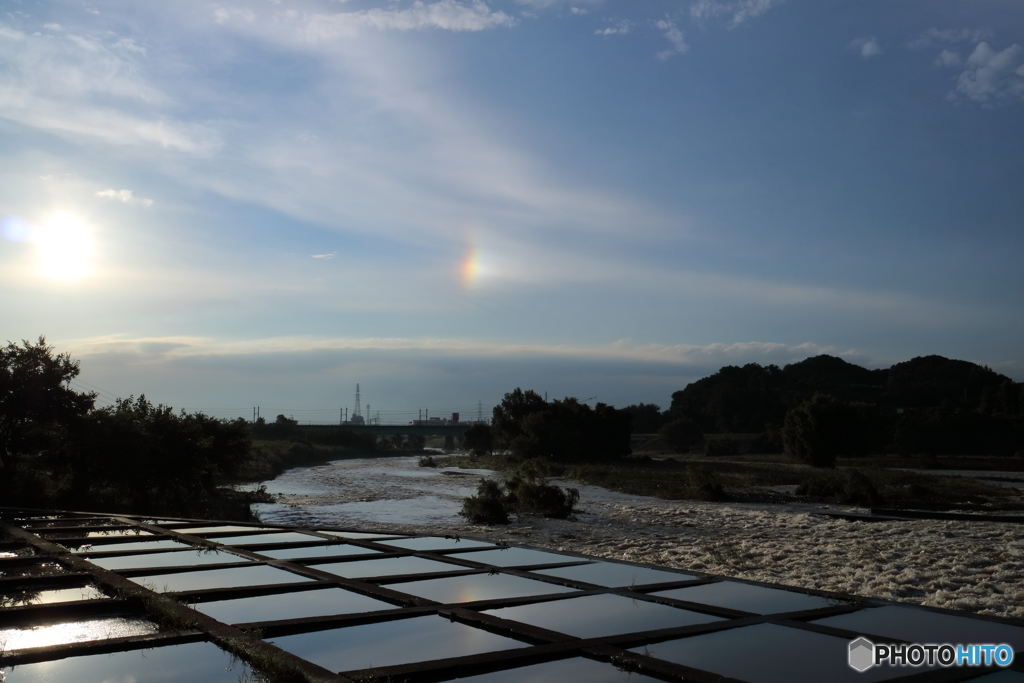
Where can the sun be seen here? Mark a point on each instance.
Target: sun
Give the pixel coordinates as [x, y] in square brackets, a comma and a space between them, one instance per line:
[64, 243]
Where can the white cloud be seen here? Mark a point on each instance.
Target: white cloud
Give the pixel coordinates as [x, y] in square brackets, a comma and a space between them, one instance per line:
[579, 10]
[325, 256]
[738, 11]
[674, 36]
[447, 15]
[867, 46]
[124, 196]
[52, 27]
[948, 58]
[75, 85]
[715, 354]
[935, 36]
[621, 28]
[992, 75]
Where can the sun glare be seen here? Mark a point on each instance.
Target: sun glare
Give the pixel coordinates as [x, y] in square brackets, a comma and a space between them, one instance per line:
[64, 245]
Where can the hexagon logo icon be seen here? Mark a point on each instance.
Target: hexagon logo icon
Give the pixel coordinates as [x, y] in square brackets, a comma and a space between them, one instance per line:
[862, 654]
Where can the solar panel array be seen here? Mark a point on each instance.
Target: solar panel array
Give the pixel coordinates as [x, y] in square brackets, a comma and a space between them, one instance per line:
[92, 598]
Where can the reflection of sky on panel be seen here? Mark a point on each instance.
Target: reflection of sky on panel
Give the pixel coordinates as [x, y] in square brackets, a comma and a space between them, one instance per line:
[74, 632]
[477, 587]
[194, 662]
[315, 603]
[768, 653]
[110, 533]
[283, 537]
[743, 596]
[333, 550]
[393, 642]
[219, 528]
[172, 559]
[218, 578]
[389, 566]
[39, 569]
[436, 543]
[612, 574]
[517, 557]
[355, 534]
[922, 626]
[592, 616]
[1001, 677]
[45, 597]
[575, 669]
[130, 547]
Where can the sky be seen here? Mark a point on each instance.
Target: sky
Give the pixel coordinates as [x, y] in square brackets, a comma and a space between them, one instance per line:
[222, 205]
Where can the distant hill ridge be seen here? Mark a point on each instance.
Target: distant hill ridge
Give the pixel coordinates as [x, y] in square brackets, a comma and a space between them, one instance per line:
[745, 399]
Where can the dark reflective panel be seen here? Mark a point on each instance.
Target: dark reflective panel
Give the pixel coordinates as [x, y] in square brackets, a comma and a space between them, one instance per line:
[45, 597]
[333, 550]
[1001, 677]
[389, 566]
[742, 596]
[355, 534]
[593, 616]
[283, 537]
[40, 569]
[219, 528]
[392, 642]
[217, 578]
[615, 575]
[517, 557]
[563, 671]
[767, 653]
[920, 626]
[172, 559]
[74, 632]
[316, 603]
[155, 544]
[436, 543]
[477, 587]
[118, 532]
[195, 663]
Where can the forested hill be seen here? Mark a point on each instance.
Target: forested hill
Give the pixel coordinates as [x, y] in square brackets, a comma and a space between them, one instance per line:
[745, 399]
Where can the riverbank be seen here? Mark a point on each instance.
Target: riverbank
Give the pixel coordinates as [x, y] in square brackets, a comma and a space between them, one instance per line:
[974, 566]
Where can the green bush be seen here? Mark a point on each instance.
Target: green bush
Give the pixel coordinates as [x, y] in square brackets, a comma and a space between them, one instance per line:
[487, 506]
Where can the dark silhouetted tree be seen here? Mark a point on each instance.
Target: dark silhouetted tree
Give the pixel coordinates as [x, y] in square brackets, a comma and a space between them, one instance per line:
[37, 405]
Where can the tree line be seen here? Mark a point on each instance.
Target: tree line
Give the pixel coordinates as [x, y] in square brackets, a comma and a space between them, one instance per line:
[58, 449]
[825, 406]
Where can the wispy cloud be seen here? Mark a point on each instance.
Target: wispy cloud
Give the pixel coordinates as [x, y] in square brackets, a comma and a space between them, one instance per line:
[621, 27]
[992, 76]
[688, 354]
[325, 256]
[675, 37]
[75, 85]
[447, 15]
[737, 11]
[948, 58]
[948, 36]
[124, 196]
[867, 47]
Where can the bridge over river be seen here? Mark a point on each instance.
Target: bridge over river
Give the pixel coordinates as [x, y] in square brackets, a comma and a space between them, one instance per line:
[449, 429]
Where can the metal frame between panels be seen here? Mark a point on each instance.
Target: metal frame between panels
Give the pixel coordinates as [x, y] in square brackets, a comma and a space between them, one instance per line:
[54, 539]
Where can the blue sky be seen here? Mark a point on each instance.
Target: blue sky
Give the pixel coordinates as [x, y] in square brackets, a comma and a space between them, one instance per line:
[228, 204]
